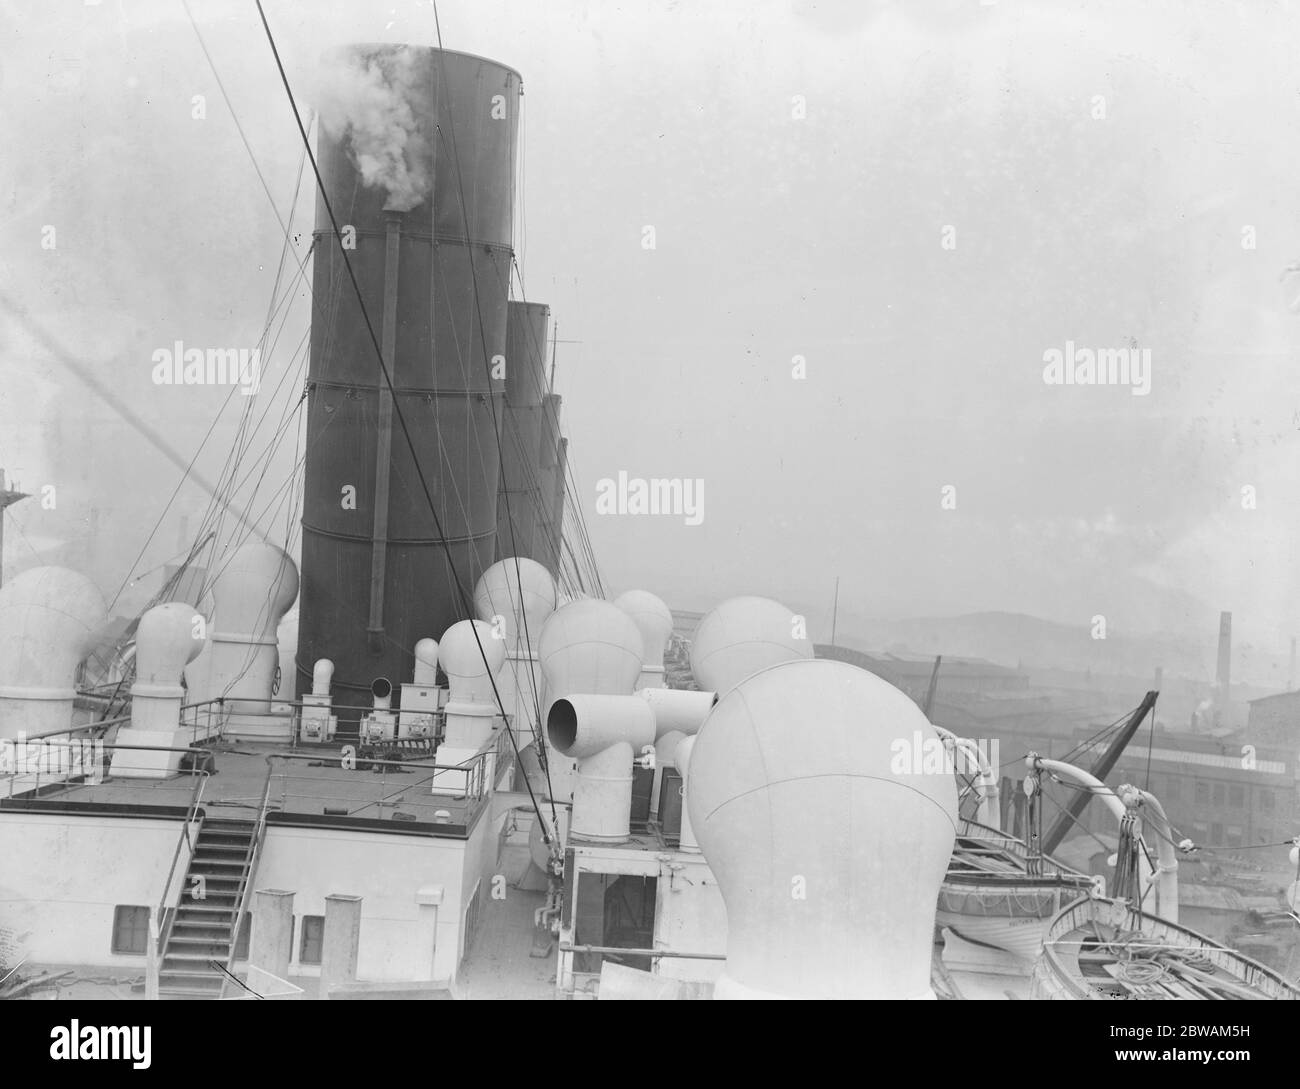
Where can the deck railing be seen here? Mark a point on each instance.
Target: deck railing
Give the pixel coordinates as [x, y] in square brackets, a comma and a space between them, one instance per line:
[335, 780]
[251, 859]
[75, 754]
[209, 719]
[436, 793]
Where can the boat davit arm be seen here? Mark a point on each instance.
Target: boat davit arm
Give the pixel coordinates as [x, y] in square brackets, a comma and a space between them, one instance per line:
[1119, 803]
[986, 786]
[1166, 854]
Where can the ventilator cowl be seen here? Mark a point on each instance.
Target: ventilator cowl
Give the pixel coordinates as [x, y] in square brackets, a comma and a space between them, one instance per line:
[829, 863]
[654, 620]
[48, 620]
[742, 636]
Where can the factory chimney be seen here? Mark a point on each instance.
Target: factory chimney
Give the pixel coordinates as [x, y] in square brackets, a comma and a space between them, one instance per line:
[1223, 674]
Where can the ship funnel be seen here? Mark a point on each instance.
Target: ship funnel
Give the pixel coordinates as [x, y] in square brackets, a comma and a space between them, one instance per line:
[433, 263]
[742, 636]
[381, 688]
[250, 596]
[321, 675]
[426, 662]
[592, 648]
[655, 622]
[829, 863]
[48, 620]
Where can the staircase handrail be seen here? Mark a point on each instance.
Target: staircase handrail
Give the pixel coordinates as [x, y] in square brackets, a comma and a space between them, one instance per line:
[250, 866]
[196, 799]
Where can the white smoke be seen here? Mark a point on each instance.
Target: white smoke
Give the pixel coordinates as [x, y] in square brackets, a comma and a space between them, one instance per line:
[371, 100]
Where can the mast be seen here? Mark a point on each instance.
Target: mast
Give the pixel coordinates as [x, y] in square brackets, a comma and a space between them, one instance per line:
[555, 339]
[934, 684]
[1099, 771]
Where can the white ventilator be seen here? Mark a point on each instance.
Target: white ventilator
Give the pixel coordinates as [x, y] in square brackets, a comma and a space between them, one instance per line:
[167, 639]
[828, 861]
[251, 594]
[655, 622]
[472, 666]
[592, 649]
[515, 597]
[48, 620]
[742, 636]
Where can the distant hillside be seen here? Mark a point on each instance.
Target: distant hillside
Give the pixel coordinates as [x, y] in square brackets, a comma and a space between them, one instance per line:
[1014, 639]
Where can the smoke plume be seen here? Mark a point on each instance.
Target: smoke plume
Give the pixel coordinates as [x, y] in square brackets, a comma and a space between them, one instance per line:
[371, 100]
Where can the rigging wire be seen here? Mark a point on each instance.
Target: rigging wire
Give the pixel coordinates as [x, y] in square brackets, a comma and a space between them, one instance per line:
[492, 403]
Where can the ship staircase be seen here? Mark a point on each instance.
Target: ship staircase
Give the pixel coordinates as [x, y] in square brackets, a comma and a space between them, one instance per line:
[201, 934]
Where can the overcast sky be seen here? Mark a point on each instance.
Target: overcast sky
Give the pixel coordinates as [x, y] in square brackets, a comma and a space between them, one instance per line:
[1099, 165]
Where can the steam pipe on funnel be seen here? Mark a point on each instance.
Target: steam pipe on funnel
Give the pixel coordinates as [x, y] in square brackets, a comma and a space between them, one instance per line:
[384, 440]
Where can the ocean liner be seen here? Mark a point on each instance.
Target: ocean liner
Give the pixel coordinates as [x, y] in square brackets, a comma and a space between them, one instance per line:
[428, 758]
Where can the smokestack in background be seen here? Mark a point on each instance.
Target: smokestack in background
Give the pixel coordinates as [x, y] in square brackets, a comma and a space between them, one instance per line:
[417, 155]
[1223, 674]
[1290, 671]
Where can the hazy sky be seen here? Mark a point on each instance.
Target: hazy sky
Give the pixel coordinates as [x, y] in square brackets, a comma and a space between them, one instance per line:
[1099, 165]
